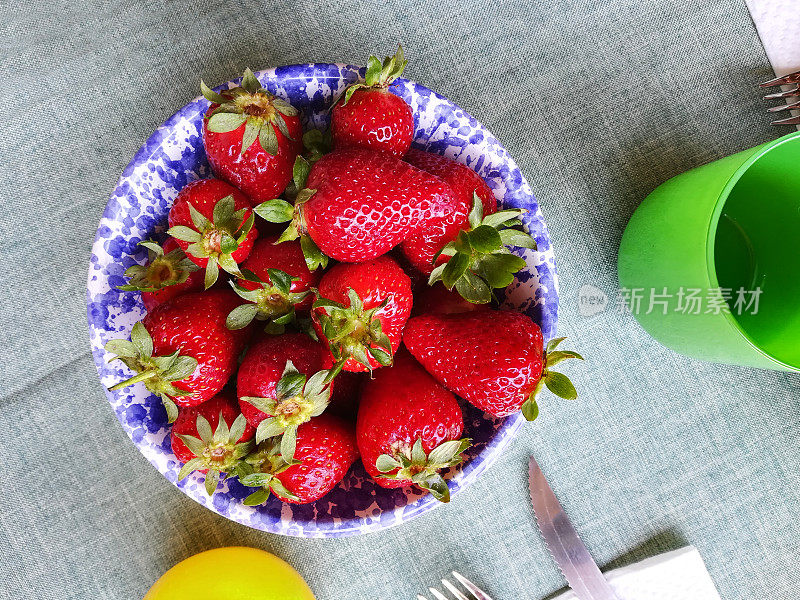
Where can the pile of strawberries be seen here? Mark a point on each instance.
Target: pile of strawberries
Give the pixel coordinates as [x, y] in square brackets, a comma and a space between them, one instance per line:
[278, 354]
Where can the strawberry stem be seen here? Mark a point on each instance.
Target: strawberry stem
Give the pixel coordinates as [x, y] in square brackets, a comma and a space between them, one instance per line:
[144, 376]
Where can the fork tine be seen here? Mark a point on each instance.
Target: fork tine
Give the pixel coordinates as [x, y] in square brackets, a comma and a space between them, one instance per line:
[474, 589]
[454, 590]
[783, 107]
[437, 594]
[789, 121]
[786, 94]
[790, 78]
[421, 597]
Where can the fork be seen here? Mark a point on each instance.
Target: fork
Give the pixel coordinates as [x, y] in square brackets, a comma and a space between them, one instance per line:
[476, 592]
[792, 78]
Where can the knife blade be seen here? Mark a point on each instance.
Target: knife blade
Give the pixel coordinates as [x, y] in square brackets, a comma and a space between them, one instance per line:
[569, 552]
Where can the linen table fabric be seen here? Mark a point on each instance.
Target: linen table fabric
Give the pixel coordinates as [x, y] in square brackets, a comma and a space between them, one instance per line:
[599, 102]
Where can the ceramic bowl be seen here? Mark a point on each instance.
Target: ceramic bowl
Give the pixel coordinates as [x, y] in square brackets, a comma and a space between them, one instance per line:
[137, 209]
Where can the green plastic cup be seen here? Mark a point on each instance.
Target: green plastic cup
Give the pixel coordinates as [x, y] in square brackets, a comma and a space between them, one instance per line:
[710, 262]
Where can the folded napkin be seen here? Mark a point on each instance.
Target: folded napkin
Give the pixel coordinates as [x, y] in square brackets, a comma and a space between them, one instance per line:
[778, 24]
[677, 575]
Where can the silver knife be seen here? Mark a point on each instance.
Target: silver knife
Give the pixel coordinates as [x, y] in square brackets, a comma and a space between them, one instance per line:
[562, 540]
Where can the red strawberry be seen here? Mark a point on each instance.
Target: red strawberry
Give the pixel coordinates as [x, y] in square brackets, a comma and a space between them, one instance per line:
[360, 312]
[211, 438]
[277, 285]
[492, 358]
[464, 182]
[168, 274]
[326, 448]
[280, 385]
[478, 258]
[408, 428]
[251, 138]
[466, 185]
[358, 204]
[437, 299]
[213, 223]
[439, 227]
[483, 261]
[370, 116]
[182, 349]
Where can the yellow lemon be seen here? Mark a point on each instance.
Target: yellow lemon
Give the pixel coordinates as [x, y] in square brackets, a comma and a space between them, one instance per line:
[231, 574]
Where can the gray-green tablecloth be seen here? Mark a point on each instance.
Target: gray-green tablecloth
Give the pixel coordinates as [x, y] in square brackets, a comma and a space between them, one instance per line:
[599, 102]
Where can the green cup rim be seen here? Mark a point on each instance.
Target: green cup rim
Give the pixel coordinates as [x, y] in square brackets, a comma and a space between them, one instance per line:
[711, 236]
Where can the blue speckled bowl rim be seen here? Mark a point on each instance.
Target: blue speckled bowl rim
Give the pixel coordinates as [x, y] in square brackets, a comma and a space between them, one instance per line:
[468, 472]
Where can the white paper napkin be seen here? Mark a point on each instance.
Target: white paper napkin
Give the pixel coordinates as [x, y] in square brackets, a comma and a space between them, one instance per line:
[677, 575]
[778, 25]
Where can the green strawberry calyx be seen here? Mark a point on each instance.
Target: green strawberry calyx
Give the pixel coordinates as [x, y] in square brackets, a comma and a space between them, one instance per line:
[353, 332]
[158, 373]
[556, 382]
[274, 302]
[162, 270]
[479, 256]
[281, 211]
[423, 469]
[261, 469]
[250, 105]
[298, 399]
[216, 239]
[218, 453]
[317, 144]
[379, 74]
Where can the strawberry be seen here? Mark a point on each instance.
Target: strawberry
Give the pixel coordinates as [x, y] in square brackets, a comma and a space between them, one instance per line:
[478, 259]
[470, 228]
[464, 182]
[360, 313]
[492, 358]
[326, 448]
[437, 299]
[167, 274]
[182, 351]
[217, 453]
[484, 262]
[280, 386]
[369, 115]
[357, 204]
[439, 227]
[251, 138]
[213, 223]
[276, 284]
[408, 428]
